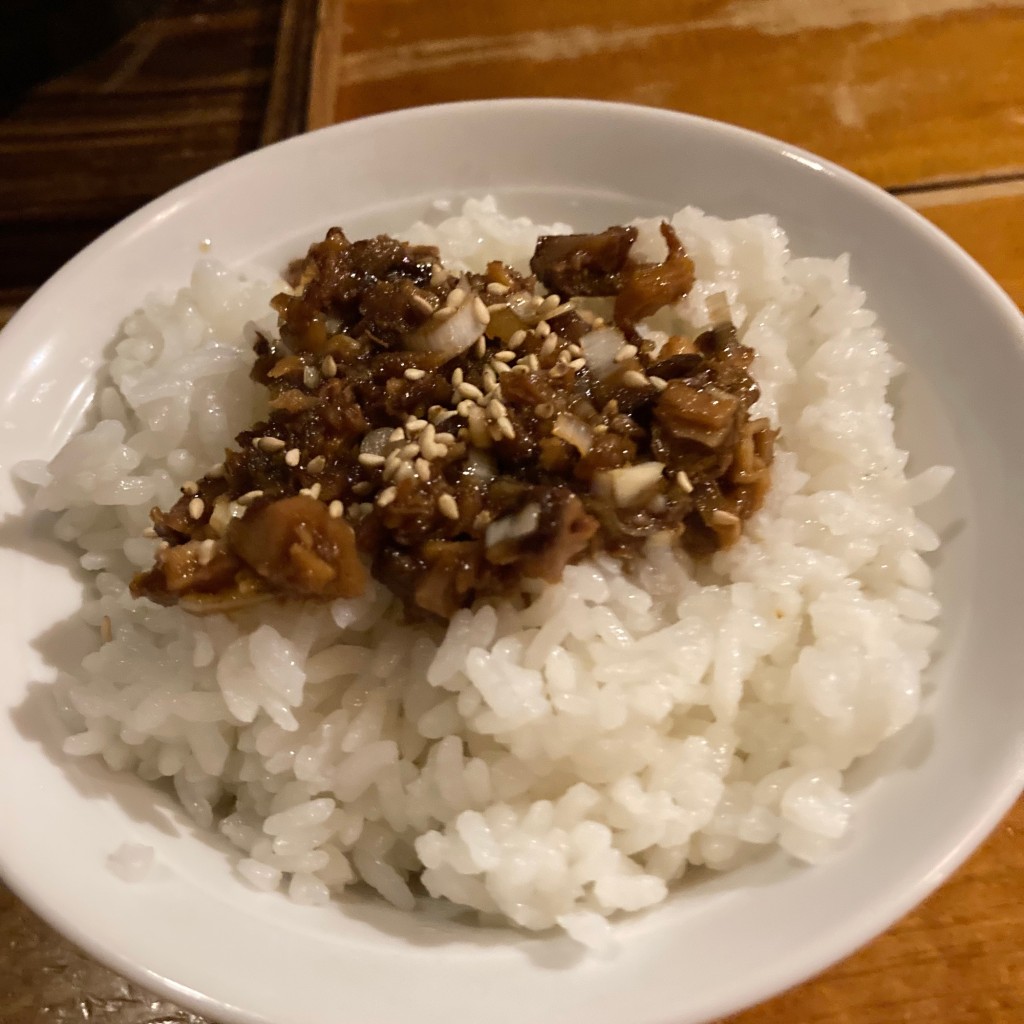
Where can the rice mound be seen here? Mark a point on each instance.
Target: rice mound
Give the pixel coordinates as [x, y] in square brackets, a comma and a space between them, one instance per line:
[559, 756]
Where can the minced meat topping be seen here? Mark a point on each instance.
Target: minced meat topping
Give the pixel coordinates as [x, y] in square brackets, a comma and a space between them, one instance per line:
[452, 434]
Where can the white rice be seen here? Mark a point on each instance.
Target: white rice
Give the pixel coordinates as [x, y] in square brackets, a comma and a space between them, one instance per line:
[547, 766]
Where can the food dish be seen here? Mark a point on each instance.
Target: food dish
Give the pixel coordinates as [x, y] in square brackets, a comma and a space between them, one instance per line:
[836, 193]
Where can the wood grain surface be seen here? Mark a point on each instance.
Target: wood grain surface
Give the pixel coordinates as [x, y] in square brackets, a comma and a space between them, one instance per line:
[925, 97]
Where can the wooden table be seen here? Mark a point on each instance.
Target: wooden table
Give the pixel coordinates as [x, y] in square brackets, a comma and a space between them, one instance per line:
[924, 97]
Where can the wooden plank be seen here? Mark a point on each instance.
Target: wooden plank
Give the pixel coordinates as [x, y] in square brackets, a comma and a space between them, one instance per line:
[902, 93]
[289, 84]
[988, 221]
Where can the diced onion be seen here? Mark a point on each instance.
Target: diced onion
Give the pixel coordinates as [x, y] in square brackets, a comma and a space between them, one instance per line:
[523, 523]
[629, 485]
[600, 347]
[450, 337]
[574, 431]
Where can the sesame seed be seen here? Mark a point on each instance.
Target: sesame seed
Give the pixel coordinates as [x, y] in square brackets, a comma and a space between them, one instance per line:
[543, 329]
[249, 497]
[480, 348]
[517, 339]
[362, 488]
[336, 509]
[311, 492]
[445, 414]
[722, 518]
[559, 310]
[536, 301]
[369, 459]
[465, 405]
[149, 532]
[216, 471]
[504, 356]
[410, 451]
[316, 465]
[489, 379]
[496, 408]
[577, 364]
[505, 426]
[398, 434]
[551, 301]
[493, 307]
[611, 407]
[196, 508]
[422, 469]
[404, 472]
[601, 428]
[387, 496]
[455, 297]
[414, 425]
[500, 368]
[415, 373]
[482, 519]
[448, 506]
[497, 288]
[480, 311]
[684, 482]
[634, 379]
[545, 410]
[457, 376]
[207, 549]
[599, 321]
[189, 487]
[310, 377]
[548, 347]
[575, 350]
[468, 390]
[533, 362]
[659, 382]
[329, 368]
[444, 313]
[422, 303]
[271, 444]
[292, 457]
[626, 352]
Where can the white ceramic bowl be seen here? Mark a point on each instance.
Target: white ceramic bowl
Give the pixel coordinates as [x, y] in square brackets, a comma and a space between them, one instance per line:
[923, 803]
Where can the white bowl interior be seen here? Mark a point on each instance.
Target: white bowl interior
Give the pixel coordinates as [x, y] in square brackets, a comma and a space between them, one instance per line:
[923, 801]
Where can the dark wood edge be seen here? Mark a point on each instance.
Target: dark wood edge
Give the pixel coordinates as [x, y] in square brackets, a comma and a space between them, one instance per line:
[290, 77]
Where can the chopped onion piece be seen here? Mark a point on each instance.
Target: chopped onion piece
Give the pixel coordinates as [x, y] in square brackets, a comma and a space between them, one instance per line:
[375, 442]
[513, 527]
[600, 347]
[574, 431]
[452, 336]
[629, 485]
[480, 465]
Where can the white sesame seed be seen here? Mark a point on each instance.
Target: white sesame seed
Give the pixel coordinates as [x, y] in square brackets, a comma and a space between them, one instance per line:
[414, 425]
[362, 488]
[410, 451]
[387, 496]
[468, 390]
[601, 428]
[316, 465]
[564, 355]
[548, 347]
[480, 311]
[578, 364]
[249, 497]
[536, 301]
[415, 373]
[196, 507]
[543, 329]
[207, 549]
[189, 487]
[500, 368]
[489, 379]
[398, 434]
[272, 444]
[310, 377]
[292, 457]
[552, 301]
[684, 482]
[444, 415]
[504, 356]
[457, 376]
[722, 518]
[369, 459]
[311, 492]
[496, 408]
[149, 533]
[444, 313]
[545, 410]
[634, 379]
[493, 307]
[444, 438]
[465, 406]
[626, 352]
[404, 472]
[497, 288]
[336, 509]
[482, 519]
[480, 348]
[558, 310]
[533, 362]
[517, 339]
[599, 321]
[575, 351]
[422, 303]
[329, 368]
[505, 426]
[455, 297]
[659, 382]
[448, 506]
[422, 469]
